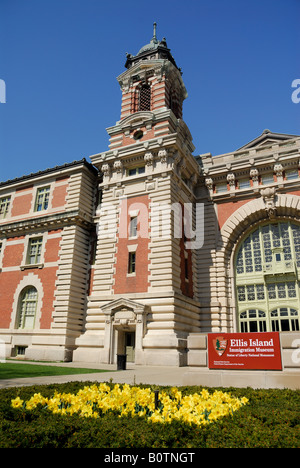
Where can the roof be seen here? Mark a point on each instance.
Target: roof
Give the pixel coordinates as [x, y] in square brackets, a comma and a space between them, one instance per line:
[50, 171]
[267, 138]
[159, 47]
[153, 43]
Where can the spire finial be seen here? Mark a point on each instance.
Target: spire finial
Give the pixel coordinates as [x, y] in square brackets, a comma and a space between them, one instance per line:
[154, 31]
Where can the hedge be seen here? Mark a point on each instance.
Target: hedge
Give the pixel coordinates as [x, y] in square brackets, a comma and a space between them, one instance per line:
[271, 419]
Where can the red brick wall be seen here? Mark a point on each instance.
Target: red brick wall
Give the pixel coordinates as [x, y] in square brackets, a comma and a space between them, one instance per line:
[59, 196]
[13, 254]
[48, 278]
[225, 210]
[10, 280]
[22, 203]
[52, 250]
[8, 284]
[124, 283]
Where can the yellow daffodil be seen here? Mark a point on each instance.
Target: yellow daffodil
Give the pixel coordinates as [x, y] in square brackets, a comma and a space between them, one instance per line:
[90, 402]
[17, 403]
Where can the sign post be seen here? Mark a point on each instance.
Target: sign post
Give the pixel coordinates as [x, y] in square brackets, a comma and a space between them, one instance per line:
[237, 351]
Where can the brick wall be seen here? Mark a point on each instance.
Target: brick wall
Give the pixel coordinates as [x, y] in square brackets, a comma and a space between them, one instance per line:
[225, 210]
[14, 272]
[123, 281]
[60, 193]
[22, 202]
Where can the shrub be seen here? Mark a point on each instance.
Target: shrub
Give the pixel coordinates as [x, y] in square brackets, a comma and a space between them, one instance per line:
[270, 419]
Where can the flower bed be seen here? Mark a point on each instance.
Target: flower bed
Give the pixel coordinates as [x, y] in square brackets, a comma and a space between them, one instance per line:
[93, 401]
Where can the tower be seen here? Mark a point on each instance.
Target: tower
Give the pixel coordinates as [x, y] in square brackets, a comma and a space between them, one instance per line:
[143, 292]
[152, 95]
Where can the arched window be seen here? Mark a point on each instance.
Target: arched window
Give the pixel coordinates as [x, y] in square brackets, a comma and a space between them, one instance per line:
[267, 267]
[145, 98]
[253, 320]
[285, 319]
[27, 307]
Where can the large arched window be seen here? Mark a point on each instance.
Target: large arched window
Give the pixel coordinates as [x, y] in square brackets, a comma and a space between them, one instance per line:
[266, 278]
[27, 308]
[285, 319]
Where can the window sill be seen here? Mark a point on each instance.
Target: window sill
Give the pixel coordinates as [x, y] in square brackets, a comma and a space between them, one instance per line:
[30, 267]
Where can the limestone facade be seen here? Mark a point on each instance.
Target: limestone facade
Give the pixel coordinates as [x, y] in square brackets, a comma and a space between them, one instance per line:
[148, 248]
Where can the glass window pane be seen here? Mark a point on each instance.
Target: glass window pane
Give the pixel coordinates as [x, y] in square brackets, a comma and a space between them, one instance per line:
[221, 188]
[267, 179]
[133, 226]
[42, 199]
[244, 183]
[285, 325]
[253, 327]
[4, 207]
[270, 252]
[291, 175]
[27, 311]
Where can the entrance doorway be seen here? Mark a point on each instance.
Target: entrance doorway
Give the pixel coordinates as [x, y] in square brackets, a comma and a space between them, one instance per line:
[130, 346]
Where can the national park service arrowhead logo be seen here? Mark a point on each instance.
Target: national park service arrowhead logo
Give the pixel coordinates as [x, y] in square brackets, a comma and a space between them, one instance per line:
[220, 345]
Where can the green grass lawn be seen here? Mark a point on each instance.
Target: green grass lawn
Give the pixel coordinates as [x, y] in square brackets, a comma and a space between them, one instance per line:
[12, 370]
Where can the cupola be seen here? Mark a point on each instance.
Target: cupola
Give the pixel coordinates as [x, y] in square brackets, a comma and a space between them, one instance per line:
[152, 95]
[154, 50]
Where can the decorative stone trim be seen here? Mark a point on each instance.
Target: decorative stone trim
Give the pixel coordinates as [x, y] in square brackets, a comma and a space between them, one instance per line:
[247, 216]
[51, 221]
[149, 159]
[268, 195]
[231, 180]
[30, 280]
[118, 166]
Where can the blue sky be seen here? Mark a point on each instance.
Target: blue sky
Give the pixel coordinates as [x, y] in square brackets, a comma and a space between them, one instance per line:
[60, 59]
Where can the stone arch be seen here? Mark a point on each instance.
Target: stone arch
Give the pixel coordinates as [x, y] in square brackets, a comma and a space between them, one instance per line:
[269, 206]
[30, 280]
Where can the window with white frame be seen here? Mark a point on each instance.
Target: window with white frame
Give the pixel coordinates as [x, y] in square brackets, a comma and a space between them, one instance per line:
[285, 319]
[42, 199]
[34, 252]
[267, 279]
[133, 226]
[131, 262]
[4, 207]
[136, 170]
[27, 308]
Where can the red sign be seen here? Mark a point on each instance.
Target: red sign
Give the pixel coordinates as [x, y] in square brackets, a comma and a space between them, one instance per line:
[244, 351]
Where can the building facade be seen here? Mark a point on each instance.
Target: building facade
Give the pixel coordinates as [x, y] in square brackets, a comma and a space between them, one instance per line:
[148, 248]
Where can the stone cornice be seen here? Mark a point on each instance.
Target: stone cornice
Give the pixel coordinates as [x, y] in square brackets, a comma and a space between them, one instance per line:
[260, 156]
[56, 221]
